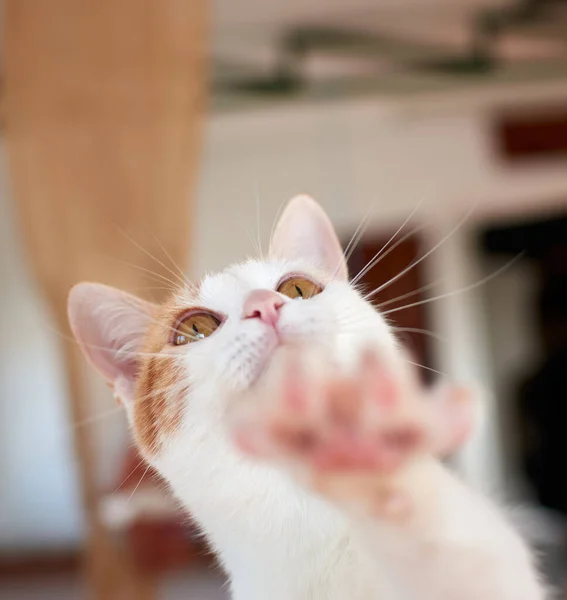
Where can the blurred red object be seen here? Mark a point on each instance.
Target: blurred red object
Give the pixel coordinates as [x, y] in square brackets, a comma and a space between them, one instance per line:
[158, 542]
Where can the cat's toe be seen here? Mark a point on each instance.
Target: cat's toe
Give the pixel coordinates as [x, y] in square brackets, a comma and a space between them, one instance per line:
[453, 416]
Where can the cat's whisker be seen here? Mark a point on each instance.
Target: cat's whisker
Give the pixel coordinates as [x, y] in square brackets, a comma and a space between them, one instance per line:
[133, 353]
[347, 327]
[181, 280]
[467, 288]
[120, 409]
[371, 262]
[256, 250]
[423, 288]
[416, 262]
[259, 234]
[152, 319]
[150, 288]
[160, 355]
[175, 265]
[381, 255]
[138, 465]
[422, 331]
[158, 277]
[416, 364]
[354, 240]
[173, 388]
[138, 485]
[98, 417]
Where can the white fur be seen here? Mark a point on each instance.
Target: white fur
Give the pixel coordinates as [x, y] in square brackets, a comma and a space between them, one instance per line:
[278, 541]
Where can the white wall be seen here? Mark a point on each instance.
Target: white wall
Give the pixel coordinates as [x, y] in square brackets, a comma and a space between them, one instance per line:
[38, 495]
[368, 155]
[382, 156]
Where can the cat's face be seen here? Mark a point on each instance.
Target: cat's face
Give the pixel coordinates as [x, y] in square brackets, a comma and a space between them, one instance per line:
[177, 364]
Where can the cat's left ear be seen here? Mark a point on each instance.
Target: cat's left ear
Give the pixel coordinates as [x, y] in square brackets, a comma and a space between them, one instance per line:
[110, 327]
[305, 231]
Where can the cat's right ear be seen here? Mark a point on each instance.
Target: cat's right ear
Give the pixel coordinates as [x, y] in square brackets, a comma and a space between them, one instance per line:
[110, 326]
[305, 231]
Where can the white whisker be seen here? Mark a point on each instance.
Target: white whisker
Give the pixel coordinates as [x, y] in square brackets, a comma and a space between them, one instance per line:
[416, 364]
[373, 261]
[182, 280]
[175, 265]
[381, 255]
[259, 236]
[354, 240]
[253, 241]
[120, 409]
[140, 463]
[468, 288]
[158, 277]
[423, 331]
[409, 294]
[128, 353]
[138, 484]
[99, 417]
[178, 385]
[428, 253]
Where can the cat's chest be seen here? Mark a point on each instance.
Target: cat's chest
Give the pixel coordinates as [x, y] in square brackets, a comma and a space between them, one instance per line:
[317, 573]
[289, 585]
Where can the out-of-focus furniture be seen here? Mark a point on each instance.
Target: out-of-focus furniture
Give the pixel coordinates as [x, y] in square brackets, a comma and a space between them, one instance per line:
[143, 514]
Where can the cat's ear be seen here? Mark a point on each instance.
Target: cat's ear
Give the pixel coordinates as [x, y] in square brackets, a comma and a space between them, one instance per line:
[110, 326]
[305, 231]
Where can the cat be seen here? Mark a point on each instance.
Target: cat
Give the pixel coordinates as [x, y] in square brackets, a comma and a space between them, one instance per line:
[280, 408]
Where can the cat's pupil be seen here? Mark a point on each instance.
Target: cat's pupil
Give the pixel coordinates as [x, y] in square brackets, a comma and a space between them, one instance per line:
[195, 327]
[298, 290]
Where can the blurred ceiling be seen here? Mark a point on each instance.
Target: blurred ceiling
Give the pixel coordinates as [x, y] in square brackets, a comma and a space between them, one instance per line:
[269, 49]
[339, 47]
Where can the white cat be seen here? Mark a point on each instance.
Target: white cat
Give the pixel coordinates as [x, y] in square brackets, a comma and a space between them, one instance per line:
[277, 404]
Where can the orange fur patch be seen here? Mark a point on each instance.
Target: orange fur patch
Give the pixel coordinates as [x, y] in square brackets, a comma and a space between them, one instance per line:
[160, 393]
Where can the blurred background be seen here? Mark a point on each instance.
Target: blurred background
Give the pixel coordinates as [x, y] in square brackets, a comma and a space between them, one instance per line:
[139, 134]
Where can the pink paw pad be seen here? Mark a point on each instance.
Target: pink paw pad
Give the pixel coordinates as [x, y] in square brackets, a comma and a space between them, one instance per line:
[350, 434]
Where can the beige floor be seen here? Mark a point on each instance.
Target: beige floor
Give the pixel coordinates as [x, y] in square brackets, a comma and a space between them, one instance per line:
[197, 585]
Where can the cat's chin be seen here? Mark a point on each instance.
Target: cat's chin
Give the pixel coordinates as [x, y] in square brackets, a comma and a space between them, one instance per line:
[265, 367]
[273, 361]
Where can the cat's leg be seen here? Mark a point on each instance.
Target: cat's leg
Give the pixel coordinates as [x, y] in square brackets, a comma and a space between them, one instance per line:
[366, 442]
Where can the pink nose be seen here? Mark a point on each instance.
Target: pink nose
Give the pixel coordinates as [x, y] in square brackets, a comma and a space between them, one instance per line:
[263, 305]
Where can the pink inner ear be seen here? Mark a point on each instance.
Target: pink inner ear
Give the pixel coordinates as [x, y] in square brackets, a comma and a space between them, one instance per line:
[304, 231]
[109, 325]
[108, 354]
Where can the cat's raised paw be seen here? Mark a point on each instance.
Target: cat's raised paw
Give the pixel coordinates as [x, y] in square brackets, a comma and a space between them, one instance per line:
[349, 435]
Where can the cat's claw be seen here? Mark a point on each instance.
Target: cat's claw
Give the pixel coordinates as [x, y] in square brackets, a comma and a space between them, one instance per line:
[350, 436]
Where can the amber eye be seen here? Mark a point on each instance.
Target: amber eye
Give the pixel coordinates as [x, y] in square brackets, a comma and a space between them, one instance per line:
[299, 287]
[195, 327]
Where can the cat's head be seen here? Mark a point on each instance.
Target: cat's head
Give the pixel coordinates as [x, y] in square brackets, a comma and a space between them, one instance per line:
[219, 336]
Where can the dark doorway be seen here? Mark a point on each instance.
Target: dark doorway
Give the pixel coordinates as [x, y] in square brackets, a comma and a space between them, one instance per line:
[541, 391]
[412, 322]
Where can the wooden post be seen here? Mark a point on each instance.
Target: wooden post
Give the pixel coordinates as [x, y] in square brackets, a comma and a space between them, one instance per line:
[103, 107]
